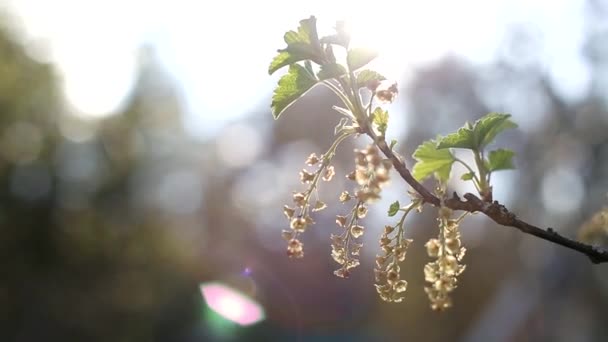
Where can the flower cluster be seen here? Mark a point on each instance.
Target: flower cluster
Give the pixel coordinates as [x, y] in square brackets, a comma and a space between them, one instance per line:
[299, 216]
[371, 174]
[447, 250]
[389, 284]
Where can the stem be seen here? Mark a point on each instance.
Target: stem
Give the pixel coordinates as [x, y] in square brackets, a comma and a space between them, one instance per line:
[494, 210]
[341, 95]
[476, 180]
[484, 191]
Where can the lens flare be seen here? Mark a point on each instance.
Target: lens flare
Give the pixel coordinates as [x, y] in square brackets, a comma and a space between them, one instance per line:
[231, 304]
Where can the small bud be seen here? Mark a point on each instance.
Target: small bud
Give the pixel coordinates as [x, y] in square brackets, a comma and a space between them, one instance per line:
[400, 286]
[361, 211]
[298, 224]
[356, 248]
[294, 249]
[361, 176]
[336, 240]
[344, 196]
[329, 173]
[374, 159]
[392, 276]
[352, 263]
[338, 254]
[351, 176]
[312, 159]
[320, 205]
[299, 199]
[433, 247]
[287, 234]
[306, 177]
[356, 231]
[384, 241]
[386, 92]
[388, 229]
[452, 246]
[342, 273]
[341, 220]
[288, 212]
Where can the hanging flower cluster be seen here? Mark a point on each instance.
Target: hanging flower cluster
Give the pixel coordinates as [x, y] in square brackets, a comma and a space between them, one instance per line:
[299, 215]
[371, 174]
[448, 251]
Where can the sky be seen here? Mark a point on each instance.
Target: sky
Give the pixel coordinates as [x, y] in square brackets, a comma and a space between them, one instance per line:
[219, 53]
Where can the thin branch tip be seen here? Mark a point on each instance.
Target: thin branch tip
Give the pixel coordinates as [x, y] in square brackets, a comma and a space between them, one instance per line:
[489, 207]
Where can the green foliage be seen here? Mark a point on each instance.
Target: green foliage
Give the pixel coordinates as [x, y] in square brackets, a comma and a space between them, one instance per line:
[331, 70]
[291, 86]
[380, 118]
[501, 159]
[467, 176]
[366, 76]
[393, 143]
[488, 127]
[302, 44]
[481, 134]
[394, 209]
[464, 138]
[431, 160]
[360, 57]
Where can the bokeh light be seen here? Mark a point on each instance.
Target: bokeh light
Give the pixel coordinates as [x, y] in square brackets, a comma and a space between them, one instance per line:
[231, 304]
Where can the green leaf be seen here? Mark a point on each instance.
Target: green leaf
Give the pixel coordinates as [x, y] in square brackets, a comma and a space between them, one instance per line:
[431, 160]
[501, 159]
[488, 127]
[302, 44]
[290, 87]
[332, 70]
[394, 209]
[359, 57]
[467, 176]
[477, 136]
[461, 139]
[366, 76]
[380, 118]
[393, 143]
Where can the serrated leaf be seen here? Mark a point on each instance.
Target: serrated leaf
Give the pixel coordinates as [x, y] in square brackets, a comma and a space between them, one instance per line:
[467, 176]
[359, 57]
[501, 159]
[366, 76]
[380, 118]
[331, 70]
[290, 87]
[302, 44]
[431, 160]
[488, 127]
[394, 209]
[463, 138]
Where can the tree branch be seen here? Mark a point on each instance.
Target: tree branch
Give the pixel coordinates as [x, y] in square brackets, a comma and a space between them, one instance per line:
[494, 210]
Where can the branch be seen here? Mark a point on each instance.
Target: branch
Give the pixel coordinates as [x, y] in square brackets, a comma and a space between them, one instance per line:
[494, 210]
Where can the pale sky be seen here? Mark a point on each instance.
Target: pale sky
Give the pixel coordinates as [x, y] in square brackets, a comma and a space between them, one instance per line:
[219, 51]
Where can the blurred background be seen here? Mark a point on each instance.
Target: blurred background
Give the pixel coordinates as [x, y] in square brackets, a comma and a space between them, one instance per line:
[142, 175]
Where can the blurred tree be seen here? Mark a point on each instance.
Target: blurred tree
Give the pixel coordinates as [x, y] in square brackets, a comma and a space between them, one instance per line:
[80, 260]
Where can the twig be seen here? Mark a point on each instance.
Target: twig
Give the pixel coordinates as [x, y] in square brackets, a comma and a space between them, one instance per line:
[494, 210]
